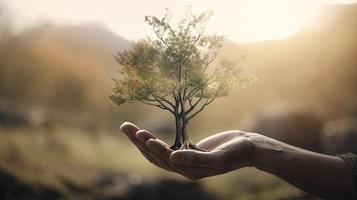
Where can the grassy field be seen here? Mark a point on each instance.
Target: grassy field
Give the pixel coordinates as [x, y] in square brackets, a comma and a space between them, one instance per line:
[84, 165]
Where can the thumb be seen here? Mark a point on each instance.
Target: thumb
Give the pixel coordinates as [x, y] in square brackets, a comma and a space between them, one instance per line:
[196, 158]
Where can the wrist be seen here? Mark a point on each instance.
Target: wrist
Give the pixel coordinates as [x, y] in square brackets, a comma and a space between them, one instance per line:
[259, 158]
[267, 154]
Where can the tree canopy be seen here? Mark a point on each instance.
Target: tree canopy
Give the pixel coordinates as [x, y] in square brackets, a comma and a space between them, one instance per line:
[176, 71]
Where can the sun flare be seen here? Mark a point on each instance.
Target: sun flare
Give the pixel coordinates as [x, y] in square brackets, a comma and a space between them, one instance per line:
[248, 21]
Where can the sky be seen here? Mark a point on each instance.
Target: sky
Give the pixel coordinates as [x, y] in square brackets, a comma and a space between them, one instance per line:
[240, 20]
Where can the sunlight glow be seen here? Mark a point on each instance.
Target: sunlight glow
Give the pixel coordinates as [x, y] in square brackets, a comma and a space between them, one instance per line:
[240, 20]
[267, 20]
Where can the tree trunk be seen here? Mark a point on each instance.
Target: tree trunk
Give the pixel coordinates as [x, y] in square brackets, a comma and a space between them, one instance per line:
[181, 135]
[182, 141]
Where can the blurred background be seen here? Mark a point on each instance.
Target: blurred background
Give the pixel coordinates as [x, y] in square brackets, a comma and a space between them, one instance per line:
[59, 136]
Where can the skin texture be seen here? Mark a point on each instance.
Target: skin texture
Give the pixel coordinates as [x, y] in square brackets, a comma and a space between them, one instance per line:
[321, 175]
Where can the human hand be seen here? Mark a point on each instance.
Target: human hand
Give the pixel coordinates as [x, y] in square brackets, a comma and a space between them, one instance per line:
[230, 150]
[142, 139]
[155, 150]
[223, 152]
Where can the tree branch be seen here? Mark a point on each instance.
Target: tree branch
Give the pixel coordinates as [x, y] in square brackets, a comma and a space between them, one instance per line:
[195, 104]
[162, 40]
[196, 89]
[159, 99]
[207, 102]
[159, 106]
[190, 101]
[209, 62]
[189, 55]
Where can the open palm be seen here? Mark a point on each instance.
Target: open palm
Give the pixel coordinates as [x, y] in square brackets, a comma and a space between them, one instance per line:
[222, 152]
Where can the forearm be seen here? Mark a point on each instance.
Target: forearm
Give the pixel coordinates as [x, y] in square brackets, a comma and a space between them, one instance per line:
[321, 175]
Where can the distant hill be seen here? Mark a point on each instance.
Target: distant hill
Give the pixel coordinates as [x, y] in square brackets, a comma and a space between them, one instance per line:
[59, 65]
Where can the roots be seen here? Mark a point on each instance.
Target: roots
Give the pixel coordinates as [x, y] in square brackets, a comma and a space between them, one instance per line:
[186, 145]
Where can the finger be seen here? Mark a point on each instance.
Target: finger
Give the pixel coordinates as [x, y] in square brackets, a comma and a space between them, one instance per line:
[153, 158]
[160, 148]
[213, 141]
[161, 151]
[144, 135]
[130, 130]
[196, 158]
[149, 157]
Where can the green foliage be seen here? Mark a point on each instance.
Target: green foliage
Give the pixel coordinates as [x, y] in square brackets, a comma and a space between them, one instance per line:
[175, 71]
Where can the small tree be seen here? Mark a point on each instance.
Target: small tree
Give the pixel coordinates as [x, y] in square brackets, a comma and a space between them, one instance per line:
[174, 71]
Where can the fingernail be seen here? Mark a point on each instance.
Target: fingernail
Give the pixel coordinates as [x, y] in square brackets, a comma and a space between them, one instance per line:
[122, 127]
